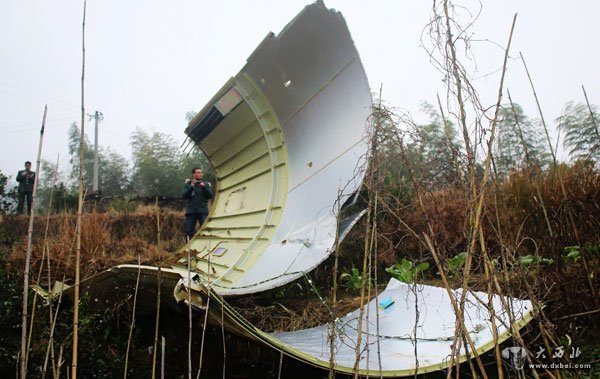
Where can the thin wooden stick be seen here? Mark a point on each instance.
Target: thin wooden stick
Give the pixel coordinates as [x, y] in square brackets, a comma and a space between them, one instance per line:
[587, 101]
[132, 325]
[154, 351]
[205, 319]
[563, 189]
[280, 364]
[162, 357]
[368, 180]
[33, 305]
[223, 337]
[333, 294]
[51, 338]
[189, 283]
[537, 102]
[79, 208]
[157, 224]
[59, 363]
[23, 356]
[45, 253]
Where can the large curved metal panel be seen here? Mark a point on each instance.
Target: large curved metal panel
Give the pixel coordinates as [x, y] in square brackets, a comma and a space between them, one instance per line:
[286, 137]
[394, 348]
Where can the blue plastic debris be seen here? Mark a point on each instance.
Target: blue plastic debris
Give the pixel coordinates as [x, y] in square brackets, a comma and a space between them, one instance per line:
[386, 303]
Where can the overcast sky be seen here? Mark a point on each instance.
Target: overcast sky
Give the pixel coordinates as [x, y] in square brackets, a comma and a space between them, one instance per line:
[149, 62]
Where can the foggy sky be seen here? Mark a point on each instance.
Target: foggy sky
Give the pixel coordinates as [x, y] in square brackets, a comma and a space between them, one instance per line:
[149, 62]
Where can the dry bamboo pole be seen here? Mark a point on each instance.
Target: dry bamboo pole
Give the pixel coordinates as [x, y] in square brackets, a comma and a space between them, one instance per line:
[48, 266]
[537, 102]
[471, 166]
[362, 289]
[157, 224]
[59, 362]
[446, 134]
[205, 319]
[537, 187]
[223, 338]
[45, 249]
[519, 130]
[583, 252]
[369, 184]
[51, 337]
[535, 182]
[154, 351]
[375, 283]
[280, 364]
[34, 303]
[587, 101]
[373, 247]
[189, 291]
[333, 293]
[478, 207]
[162, 357]
[493, 278]
[561, 183]
[489, 272]
[23, 356]
[132, 324]
[79, 207]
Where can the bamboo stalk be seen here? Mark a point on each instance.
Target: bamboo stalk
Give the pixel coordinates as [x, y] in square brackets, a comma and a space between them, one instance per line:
[33, 305]
[334, 289]
[489, 272]
[562, 185]
[23, 356]
[223, 338]
[154, 351]
[205, 319]
[51, 338]
[59, 363]
[157, 224]
[79, 207]
[280, 364]
[537, 102]
[132, 325]
[45, 253]
[366, 253]
[162, 357]
[587, 101]
[189, 291]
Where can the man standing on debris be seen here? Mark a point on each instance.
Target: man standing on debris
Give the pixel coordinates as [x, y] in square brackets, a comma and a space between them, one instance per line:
[197, 192]
[25, 178]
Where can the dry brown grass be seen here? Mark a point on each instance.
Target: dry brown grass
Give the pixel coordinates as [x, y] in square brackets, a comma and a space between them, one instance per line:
[290, 314]
[108, 239]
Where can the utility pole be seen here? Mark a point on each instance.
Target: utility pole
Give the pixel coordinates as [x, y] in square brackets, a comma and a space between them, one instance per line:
[97, 116]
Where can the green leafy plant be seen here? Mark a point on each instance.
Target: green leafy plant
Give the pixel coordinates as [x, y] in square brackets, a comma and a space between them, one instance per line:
[352, 280]
[573, 254]
[456, 263]
[290, 290]
[405, 271]
[532, 262]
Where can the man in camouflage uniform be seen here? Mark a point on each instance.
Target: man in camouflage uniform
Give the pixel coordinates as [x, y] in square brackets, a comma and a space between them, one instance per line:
[25, 178]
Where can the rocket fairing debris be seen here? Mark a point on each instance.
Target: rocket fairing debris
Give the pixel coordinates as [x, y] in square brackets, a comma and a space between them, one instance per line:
[286, 137]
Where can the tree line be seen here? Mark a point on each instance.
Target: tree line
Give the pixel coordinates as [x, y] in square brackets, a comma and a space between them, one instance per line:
[432, 150]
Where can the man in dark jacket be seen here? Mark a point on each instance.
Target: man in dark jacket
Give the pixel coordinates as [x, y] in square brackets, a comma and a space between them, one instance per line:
[197, 192]
[25, 178]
